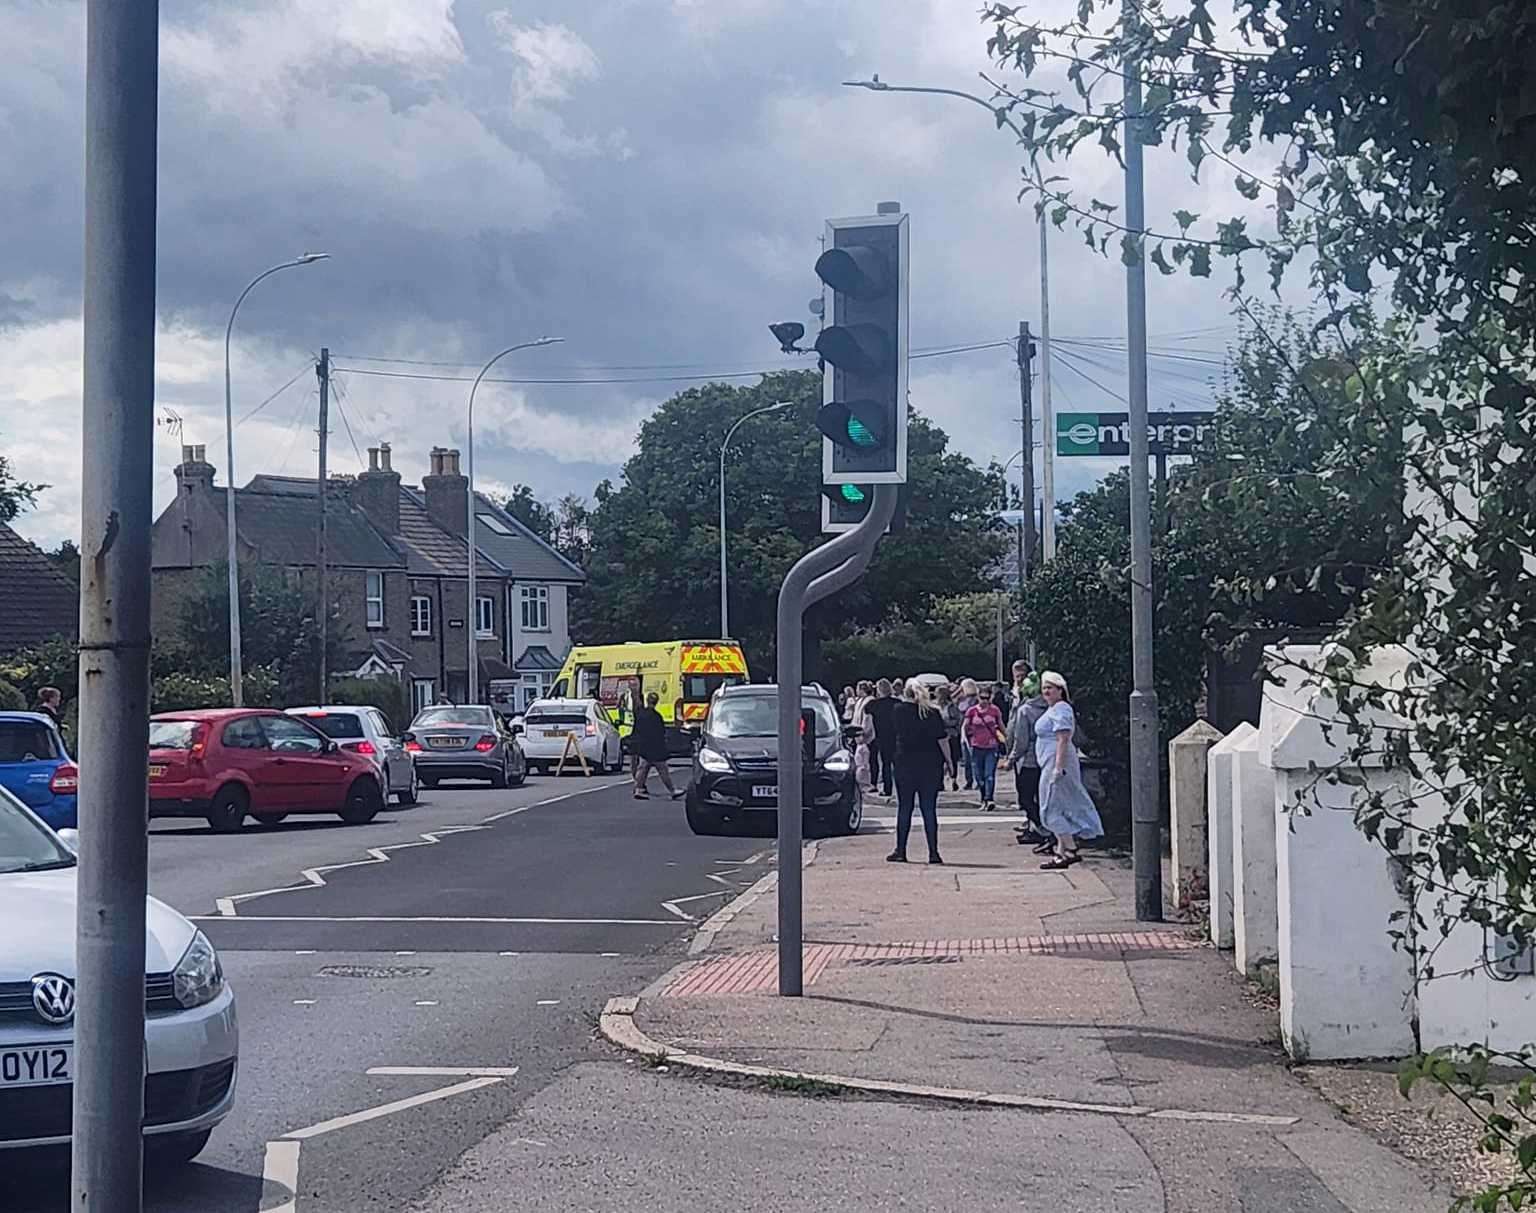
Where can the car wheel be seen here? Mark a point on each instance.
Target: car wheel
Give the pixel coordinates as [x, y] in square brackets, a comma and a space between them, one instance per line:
[854, 818]
[269, 819]
[408, 796]
[499, 778]
[519, 774]
[176, 1149]
[703, 821]
[429, 781]
[226, 813]
[364, 801]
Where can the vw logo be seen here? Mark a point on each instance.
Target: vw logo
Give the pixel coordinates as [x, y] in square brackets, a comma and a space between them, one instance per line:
[53, 998]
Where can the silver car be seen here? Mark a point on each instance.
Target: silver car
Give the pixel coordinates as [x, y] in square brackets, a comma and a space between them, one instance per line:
[364, 730]
[467, 741]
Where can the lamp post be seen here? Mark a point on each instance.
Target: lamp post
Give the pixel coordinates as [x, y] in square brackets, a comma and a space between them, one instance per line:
[236, 670]
[472, 620]
[1047, 421]
[725, 606]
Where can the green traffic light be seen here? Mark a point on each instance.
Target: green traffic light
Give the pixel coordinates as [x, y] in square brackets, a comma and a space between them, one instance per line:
[859, 434]
[852, 494]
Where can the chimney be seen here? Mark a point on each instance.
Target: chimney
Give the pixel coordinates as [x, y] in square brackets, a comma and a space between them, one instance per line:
[377, 491]
[194, 474]
[446, 491]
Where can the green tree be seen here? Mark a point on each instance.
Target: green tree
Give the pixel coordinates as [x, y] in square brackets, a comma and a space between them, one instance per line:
[15, 495]
[531, 512]
[654, 558]
[66, 558]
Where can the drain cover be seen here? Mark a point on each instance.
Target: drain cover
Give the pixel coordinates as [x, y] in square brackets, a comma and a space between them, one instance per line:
[872, 961]
[374, 971]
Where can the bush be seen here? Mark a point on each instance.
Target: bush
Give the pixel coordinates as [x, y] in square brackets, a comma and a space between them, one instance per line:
[386, 694]
[182, 692]
[54, 663]
[11, 700]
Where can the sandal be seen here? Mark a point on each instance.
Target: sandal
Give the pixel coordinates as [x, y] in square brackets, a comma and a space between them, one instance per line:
[1061, 862]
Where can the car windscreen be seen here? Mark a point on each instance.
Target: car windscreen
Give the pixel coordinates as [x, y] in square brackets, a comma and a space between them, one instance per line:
[758, 716]
[172, 734]
[544, 717]
[341, 727]
[26, 741]
[443, 717]
[26, 845]
[697, 688]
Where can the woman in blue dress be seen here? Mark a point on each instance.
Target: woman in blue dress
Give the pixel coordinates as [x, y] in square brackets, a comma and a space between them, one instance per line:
[1066, 809]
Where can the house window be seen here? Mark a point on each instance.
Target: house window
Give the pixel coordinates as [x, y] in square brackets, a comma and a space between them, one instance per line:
[374, 593]
[421, 615]
[485, 616]
[535, 608]
[535, 686]
[421, 694]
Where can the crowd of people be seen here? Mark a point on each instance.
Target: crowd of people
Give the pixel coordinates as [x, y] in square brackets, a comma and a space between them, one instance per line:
[916, 733]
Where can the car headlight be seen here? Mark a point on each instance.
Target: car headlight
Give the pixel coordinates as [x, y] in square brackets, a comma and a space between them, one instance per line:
[837, 761]
[713, 760]
[199, 977]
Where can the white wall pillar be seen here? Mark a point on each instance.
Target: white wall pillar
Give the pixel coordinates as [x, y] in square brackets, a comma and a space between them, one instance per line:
[1255, 892]
[1186, 779]
[1220, 813]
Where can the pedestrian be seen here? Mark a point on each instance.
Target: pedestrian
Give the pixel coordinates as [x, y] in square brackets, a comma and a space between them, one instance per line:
[883, 754]
[846, 702]
[1020, 757]
[1003, 699]
[954, 720]
[648, 743]
[49, 700]
[863, 749]
[1066, 809]
[984, 735]
[965, 700]
[919, 763]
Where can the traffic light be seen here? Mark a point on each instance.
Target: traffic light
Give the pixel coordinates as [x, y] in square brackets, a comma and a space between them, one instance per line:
[844, 505]
[863, 416]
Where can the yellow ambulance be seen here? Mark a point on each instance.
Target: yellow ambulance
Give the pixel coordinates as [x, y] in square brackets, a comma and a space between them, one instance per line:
[683, 673]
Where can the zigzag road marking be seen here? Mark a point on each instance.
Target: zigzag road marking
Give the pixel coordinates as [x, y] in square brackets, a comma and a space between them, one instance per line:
[314, 878]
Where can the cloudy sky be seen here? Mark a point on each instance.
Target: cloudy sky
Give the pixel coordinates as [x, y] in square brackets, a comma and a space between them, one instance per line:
[645, 178]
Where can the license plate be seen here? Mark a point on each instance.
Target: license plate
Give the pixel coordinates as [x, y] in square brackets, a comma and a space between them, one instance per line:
[36, 1065]
[444, 743]
[765, 791]
[156, 771]
[553, 733]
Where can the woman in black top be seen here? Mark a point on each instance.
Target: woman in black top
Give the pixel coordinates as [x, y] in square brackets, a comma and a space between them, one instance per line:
[919, 764]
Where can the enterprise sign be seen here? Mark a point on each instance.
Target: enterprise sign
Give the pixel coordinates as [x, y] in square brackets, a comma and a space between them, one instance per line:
[1109, 433]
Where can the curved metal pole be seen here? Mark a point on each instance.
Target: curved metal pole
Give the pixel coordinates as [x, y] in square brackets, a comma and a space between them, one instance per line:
[236, 666]
[471, 613]
[725, 607]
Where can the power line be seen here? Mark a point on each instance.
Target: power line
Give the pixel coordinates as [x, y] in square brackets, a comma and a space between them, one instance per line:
[341, 394]
[302, 370]
[1068, 360]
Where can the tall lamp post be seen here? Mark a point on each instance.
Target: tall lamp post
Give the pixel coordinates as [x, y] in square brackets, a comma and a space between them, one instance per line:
[1047, 423]
[472, 620]
[236, 669]
[725, 605]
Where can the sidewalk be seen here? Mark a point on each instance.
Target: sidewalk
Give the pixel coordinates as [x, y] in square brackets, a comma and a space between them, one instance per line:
[1002, 983]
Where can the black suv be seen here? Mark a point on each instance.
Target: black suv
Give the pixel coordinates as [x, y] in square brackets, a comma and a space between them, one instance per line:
[736, 767]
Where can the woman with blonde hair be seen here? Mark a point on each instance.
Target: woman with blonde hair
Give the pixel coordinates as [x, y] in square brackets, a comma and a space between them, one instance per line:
[1066, 809]
[966, 698]
[921, 743]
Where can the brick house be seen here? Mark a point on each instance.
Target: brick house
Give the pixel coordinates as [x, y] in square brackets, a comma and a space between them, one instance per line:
[396, 569]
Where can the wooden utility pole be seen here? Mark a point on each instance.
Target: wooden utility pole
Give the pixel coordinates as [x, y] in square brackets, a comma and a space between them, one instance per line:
[323, 609]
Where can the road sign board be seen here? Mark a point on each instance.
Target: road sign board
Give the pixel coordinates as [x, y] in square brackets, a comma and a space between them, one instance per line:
[1101, 434]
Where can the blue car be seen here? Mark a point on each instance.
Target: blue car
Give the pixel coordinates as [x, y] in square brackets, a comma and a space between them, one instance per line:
[37, 769]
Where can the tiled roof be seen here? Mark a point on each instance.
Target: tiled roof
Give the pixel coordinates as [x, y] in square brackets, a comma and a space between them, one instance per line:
[284, 529]
[522, 553]
[430, 550]
[537, 657]
[36, 601]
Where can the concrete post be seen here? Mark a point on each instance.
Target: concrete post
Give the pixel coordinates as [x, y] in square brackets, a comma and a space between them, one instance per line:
[1219, 811]
[1255, 895]
[1186, 778]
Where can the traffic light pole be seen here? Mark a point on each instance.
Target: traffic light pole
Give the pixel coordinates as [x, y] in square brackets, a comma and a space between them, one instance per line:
[118, 403]
[817, 574]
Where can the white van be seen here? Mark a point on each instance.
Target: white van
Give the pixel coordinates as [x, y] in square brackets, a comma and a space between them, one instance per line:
[548, 723]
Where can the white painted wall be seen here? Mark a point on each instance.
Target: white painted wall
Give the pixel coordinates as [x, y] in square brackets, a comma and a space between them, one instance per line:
[558, 639]
[1186, 793]
[1218, 815]
[1255, 882]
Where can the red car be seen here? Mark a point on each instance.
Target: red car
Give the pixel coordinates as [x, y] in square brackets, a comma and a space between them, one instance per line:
[225, 764]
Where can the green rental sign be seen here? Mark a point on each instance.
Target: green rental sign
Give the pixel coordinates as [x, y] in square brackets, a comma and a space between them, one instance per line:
[1108, 434]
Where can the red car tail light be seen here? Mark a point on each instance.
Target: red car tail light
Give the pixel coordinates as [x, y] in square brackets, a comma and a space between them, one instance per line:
[486, 744]
[591, 729]
[363, 747]
[66, 780]
[412, 746]
[199, 742]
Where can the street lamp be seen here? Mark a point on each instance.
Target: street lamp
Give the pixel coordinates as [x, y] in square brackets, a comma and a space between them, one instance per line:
[472, 614]
[1047, 424]
[725, 607]
[236, 672]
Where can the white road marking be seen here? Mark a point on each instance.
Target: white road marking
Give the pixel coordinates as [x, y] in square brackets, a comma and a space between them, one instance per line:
[427, 1002]
[610, 953]
[281, 1168]
[555, 922]
[447, 1071]
[388, 1109]
[549, 1002]
[306, 1002]
[305, 952]
[509, 953]
[315, 877]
